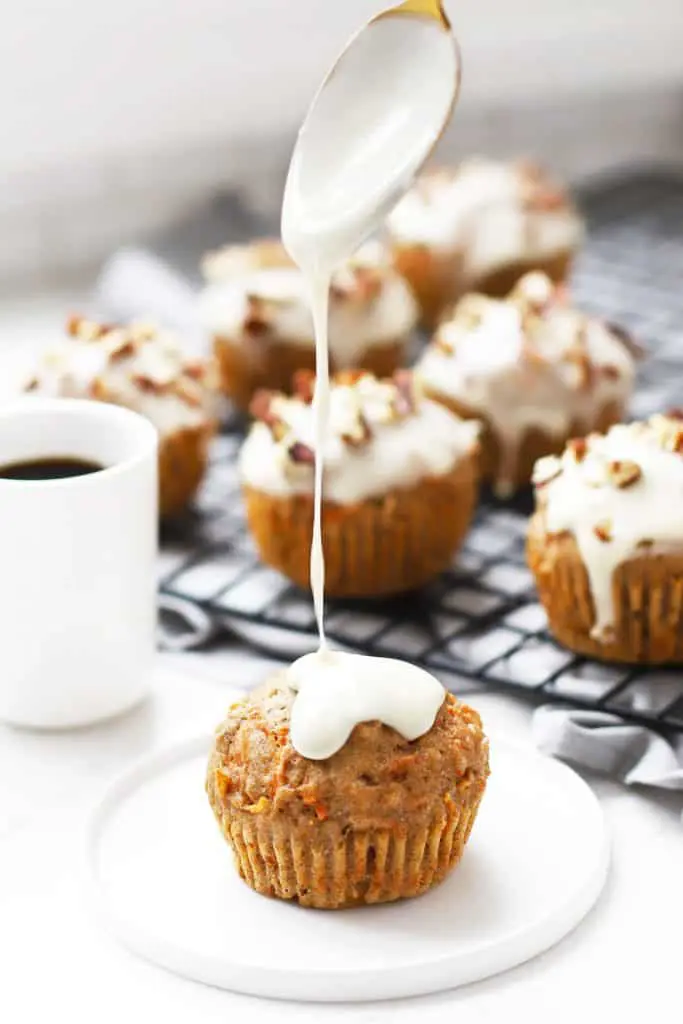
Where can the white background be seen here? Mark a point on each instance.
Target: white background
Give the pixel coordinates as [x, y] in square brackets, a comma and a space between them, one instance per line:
[81, 78]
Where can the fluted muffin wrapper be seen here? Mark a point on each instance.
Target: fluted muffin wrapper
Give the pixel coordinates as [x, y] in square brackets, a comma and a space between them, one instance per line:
[247, 364]
[183, 457]
[377, 547]
[647, 593]
[320, 865]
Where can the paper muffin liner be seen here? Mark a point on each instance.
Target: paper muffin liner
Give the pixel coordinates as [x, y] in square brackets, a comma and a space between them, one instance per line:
[321, 865]
[647, 595]
[247, 364]
[377, 547]
[509, 467]
[183, 457]
[439, 277]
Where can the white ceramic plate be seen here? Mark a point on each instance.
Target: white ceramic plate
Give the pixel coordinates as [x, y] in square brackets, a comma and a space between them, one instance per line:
[165, 881]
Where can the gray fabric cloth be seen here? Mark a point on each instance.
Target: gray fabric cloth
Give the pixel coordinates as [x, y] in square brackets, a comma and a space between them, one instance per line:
[606, 743]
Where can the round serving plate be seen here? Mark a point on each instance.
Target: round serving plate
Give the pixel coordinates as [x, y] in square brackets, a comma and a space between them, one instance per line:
[165, 882]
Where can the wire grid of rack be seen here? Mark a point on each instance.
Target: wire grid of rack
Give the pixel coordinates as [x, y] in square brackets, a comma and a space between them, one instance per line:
[481, 619]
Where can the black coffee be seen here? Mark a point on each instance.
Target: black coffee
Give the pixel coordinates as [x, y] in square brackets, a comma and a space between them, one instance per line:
[54, 468]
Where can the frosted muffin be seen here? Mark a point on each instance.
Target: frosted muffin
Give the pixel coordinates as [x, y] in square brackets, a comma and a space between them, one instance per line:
[400, 484]
[144, 369]
[479, 227]
[257, 310]
[382, 818]
[533, 369]
[606, 542]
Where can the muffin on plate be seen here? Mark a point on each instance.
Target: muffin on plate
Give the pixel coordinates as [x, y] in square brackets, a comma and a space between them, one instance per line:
[400, 484]
[533, 369]
[143, 368]
[382, 819]
[606, 542]
[257, 310]
[480, 227]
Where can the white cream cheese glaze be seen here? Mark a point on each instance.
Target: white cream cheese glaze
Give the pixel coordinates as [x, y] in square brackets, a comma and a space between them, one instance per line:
[378, 438]
[620, 495]
[492, 213]
[528, 361]
[359, 689]
[361, 144]
[251, 290]
[139, 366]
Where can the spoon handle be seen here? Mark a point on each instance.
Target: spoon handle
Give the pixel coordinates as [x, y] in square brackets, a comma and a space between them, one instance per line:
[430, 8]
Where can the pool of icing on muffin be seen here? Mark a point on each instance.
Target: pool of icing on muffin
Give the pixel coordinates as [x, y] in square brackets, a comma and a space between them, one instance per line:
[345, 175]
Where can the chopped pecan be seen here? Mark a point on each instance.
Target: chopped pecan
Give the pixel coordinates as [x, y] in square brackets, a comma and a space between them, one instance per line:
[610, 372]
[86, 330]
[196, 370]
[623, 473]
[347, 378]
[406, 399]
[123, 351]
[98, 390]
[188, 393]
[301, 454]
[578, 446]
[358, 436]
[304, 385]
[603, 530]
[148, 384]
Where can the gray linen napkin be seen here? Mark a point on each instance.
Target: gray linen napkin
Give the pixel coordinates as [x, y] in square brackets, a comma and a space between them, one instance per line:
[608, 744]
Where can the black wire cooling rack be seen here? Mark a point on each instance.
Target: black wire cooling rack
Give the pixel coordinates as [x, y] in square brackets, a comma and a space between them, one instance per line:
[481, 619]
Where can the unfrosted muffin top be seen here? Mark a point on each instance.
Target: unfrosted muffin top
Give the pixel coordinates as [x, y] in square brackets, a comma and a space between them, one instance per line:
[528, 361]
[620, 494]
[138, 366]
[494, 213]
[382, 435]
[257, 296]
[377, 777]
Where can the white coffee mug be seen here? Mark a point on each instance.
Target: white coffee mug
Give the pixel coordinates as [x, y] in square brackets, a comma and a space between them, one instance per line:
[77, 564]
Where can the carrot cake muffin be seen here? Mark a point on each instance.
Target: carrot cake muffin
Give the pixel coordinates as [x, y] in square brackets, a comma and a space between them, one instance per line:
[533, 369]
[257, 310]
[479, 227]
[144, 369]
[382, 813]
[606, 542]
[400, 483]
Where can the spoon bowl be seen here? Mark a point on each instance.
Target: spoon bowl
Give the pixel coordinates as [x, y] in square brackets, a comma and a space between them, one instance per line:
[373, 123]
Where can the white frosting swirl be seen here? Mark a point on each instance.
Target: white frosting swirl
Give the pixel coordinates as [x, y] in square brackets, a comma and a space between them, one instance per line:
[360, 689]
[370, 448]
[620, 496]
[527, 361]
[140, 367]
[493, 213]
[370, 303]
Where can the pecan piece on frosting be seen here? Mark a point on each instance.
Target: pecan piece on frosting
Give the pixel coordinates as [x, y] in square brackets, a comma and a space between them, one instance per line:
[603, 530]
[359, 434]
[86, 330]
[623, 473]
[123, 350]
[406, 393]
[301, 454]
[578, 446]
[262, 408]
[187, 394]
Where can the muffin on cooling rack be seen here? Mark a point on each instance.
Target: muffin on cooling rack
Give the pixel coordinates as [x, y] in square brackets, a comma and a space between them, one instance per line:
[143, 368]
[479, 227]
[257, 310]
[382, 819]
[606, 542]
[400, 484]
[533, 369]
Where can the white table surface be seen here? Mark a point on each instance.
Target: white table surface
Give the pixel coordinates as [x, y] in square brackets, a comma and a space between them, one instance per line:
[56, 961]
